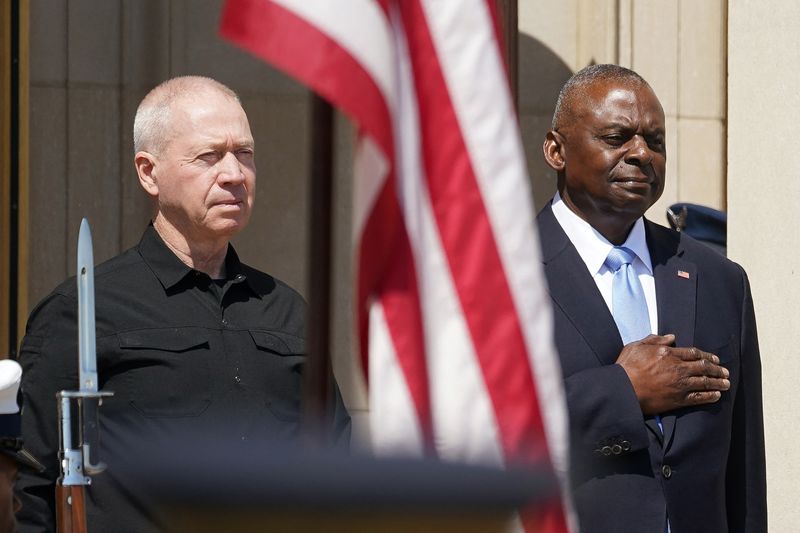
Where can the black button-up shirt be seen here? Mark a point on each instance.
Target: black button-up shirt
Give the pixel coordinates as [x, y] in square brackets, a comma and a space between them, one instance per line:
[180, 351]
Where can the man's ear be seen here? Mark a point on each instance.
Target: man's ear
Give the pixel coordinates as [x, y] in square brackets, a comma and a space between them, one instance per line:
[146, 169]
[553, 149]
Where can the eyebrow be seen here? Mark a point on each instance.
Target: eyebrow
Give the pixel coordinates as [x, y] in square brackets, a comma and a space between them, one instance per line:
[217, 144]
[623, 126]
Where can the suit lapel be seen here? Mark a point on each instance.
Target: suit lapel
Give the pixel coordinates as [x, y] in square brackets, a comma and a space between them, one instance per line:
[574, 291]
[676, 291]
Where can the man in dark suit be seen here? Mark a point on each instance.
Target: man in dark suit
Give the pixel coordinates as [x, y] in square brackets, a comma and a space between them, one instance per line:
[666, 425]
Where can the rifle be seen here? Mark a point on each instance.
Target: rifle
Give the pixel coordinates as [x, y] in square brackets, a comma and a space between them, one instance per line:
[79, 457]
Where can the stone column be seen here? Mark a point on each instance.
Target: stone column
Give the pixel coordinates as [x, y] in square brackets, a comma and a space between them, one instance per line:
[763, 191]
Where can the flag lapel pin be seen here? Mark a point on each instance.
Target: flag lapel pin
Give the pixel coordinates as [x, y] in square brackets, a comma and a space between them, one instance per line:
[683, 274]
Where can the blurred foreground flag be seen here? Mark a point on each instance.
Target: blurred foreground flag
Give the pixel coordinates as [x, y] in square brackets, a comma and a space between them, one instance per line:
[454, 317]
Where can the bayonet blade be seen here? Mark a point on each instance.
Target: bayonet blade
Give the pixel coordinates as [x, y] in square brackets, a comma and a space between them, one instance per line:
[88, 397]
[87, 351]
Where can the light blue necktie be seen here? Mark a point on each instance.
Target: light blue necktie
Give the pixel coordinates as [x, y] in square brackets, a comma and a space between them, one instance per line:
[628, 304]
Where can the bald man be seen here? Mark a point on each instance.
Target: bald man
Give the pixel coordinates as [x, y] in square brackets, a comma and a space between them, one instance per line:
[189, 339]
[655, 331]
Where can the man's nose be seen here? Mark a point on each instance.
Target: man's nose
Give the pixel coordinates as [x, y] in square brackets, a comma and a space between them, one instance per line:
[230, 169]
[639, 152]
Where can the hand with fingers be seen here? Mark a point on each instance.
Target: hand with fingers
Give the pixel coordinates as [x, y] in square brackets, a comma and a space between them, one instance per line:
[665, 377]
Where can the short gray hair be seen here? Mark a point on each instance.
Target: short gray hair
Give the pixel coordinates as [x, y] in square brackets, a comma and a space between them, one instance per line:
[151, 127]
[575, 87]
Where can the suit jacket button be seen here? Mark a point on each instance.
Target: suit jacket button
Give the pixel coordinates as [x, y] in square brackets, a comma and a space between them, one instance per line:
[626, 445]
[606, 450]
[616, 449]
[666, 471]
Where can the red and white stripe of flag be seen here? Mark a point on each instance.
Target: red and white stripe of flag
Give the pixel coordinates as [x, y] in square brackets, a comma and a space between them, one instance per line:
[454, 319]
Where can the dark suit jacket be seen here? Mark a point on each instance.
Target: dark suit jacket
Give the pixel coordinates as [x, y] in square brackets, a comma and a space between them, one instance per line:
[707, 470]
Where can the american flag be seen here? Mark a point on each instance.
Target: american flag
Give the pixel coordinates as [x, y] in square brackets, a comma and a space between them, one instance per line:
[453, 315]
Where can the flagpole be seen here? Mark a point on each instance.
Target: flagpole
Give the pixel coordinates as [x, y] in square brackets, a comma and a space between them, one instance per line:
[317, 382]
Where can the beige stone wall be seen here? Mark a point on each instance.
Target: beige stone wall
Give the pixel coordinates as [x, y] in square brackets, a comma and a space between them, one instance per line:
[678, 46]
[763, 194]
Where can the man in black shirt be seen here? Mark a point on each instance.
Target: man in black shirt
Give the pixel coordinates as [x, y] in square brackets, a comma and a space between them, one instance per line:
[188, 338]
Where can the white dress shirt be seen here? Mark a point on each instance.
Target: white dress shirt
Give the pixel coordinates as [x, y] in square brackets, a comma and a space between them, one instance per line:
[593, 249]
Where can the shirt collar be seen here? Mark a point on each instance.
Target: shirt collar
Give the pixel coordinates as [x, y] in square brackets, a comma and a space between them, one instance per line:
[591, 245]
[170, 270]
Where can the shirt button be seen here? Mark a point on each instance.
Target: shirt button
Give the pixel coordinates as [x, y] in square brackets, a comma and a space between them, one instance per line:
[237, 379]
[224, 321]
[666, 471]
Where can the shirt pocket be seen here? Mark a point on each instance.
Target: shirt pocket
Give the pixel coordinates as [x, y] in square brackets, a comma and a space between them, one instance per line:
[168, 371]
[279, 369]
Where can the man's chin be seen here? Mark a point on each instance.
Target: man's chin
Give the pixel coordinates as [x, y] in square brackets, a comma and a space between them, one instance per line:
[634, 203]
[228, 227]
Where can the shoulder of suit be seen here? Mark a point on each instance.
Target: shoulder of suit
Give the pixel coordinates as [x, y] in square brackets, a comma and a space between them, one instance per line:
[695, 251]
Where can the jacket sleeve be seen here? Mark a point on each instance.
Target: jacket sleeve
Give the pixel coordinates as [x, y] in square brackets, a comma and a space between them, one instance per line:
[49, 360]
[604, 412]
[746, 490]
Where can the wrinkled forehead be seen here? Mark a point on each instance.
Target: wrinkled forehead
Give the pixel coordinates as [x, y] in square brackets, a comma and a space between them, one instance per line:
[612, 102]
[208, 112]
[205, 99]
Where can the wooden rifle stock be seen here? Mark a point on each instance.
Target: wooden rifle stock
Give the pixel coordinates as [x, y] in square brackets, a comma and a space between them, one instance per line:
[70, 509]
[74, 455]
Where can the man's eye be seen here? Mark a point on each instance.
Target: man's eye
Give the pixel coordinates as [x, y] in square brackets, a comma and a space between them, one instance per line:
[614, 140]
[208, 157]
